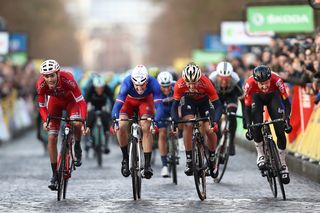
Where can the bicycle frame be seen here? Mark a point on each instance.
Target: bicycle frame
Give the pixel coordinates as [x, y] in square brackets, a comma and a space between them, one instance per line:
[65, 164]
[136, 157]
[272, 158]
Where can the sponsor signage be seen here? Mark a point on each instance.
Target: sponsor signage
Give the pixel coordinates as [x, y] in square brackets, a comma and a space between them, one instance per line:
[280, 19]
[234, 33]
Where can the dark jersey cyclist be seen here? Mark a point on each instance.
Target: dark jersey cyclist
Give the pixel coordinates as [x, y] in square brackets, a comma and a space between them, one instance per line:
[229, 89]
[97, 96]
[266, 88]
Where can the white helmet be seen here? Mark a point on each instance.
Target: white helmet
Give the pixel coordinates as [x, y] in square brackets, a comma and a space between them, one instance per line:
[139, 75]
[165, 78]
[224, 69]
[98, 81]
[191, 73]
[49, 66]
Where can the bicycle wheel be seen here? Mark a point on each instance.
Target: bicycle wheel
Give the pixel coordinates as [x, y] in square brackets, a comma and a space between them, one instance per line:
[269, 172]
[67, 174]
[223, 154]
[134, 168]
[173, 160]
[60, 178]
[140, 165]
[199, 168]
[98, 145]
[277, 166]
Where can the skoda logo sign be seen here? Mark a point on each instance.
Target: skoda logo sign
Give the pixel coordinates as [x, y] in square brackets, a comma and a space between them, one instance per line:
[258, 19]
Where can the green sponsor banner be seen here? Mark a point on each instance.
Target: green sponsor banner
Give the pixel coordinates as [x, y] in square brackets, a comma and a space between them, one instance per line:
[281, 19]
[18, 59]
[202, 57]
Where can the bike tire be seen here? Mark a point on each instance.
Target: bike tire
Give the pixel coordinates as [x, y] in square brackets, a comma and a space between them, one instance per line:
[60, 179]
[225, 154]
[98, 147]
[139, 175]
[199, 169]
[270, 174]
[277, 167]
[134, 168]
[173, 160]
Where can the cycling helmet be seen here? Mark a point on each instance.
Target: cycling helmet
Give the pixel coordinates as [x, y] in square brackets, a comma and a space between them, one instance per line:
[49, 66]
[224, 69]
[139, 75]
[98, 81]
[165, 78]
[191, 73]
[262, 73]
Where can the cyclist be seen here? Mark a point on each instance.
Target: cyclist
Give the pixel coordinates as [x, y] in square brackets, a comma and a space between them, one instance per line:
[61, 92]
[266, 88]
[229, 89]
[166, 82]
[138, 91]
[198, 92]
[97, 96]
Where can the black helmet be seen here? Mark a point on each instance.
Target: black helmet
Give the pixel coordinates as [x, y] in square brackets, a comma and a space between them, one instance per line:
[262, 73]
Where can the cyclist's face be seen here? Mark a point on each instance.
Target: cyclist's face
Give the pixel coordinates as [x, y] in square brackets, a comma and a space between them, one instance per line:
[224, 81]
[191, 85]
[51, 80]
[264, 86]
[99, 90]
[140, 88]
[165, 90]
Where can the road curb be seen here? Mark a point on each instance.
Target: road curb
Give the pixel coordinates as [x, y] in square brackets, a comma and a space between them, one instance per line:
[296, 164]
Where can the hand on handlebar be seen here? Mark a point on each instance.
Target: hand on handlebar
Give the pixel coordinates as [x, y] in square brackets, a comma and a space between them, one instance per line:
[114, 128]
[287, 128]
[214, 127]
[154, 128]
[249, 133]
[84, 129]
[46, 126]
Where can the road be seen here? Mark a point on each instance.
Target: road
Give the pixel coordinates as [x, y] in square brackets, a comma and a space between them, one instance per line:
[25, 172]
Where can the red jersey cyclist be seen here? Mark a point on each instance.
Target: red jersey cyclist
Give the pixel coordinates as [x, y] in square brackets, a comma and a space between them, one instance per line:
[266, 88]
[198, 92]
[57, 91]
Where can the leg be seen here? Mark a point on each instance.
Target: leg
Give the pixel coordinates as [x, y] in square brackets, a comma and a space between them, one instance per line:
[163, 149]
[257, 117]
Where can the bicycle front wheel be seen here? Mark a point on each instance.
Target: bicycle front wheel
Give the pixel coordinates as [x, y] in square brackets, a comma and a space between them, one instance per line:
[173, 160]
[60, 178]
[199, 167]
[223, 155]
[136, 178]
[277, 166]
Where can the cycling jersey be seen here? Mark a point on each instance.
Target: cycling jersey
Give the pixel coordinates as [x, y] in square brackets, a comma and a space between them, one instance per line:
[202, 88]
[276, 84]
[196, 99]
[127, 90]
[65, 91]
[99, 101]
[167, 101]
[234, 85]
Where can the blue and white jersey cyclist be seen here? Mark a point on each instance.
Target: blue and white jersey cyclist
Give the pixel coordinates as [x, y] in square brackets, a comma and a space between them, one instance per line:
[139, 91]
[166, 82]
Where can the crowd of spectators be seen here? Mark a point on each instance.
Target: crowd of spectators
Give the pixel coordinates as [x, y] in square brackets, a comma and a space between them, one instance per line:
[296, 59]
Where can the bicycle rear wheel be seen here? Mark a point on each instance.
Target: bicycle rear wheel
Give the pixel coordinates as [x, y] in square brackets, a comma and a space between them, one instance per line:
[277, 167]
[199, 167]
[223, 154]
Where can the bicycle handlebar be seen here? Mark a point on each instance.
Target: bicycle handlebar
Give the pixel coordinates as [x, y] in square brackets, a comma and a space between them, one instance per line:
[194, 120]
[67, 119]
[233, 113]
[267, 122]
